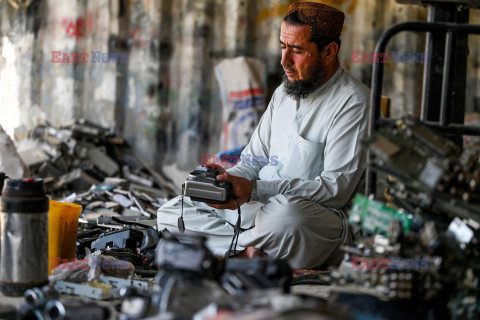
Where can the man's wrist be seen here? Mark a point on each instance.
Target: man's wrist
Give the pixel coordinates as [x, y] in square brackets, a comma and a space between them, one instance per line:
[254, 192]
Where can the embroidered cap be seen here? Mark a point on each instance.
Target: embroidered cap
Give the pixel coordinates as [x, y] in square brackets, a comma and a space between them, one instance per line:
[323, 19]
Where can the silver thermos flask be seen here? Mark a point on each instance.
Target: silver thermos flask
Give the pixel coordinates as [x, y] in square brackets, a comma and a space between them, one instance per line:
[24, 236]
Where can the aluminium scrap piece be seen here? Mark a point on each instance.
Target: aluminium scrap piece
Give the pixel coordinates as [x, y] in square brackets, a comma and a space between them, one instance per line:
[410, 151]
[104, 289]
[116, 197]
[429, 171]
[117, 221]
[77, 156]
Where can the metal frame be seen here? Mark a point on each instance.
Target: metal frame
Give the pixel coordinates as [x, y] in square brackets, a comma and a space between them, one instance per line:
[468, 3]
[449, 29]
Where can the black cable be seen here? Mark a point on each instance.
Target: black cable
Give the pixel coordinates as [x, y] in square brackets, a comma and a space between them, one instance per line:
[236, 231]
[239, 226]
[180, 222]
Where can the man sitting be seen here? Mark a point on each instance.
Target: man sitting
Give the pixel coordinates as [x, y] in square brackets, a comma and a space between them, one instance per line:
[313, 126]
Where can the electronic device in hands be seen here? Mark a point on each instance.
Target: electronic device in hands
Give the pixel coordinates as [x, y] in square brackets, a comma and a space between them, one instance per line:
[202, 185]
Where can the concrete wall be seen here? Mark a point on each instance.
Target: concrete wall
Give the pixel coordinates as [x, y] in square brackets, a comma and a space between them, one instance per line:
[165, 99]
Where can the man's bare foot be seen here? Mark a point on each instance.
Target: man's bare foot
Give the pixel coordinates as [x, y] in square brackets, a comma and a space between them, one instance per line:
[250, 253]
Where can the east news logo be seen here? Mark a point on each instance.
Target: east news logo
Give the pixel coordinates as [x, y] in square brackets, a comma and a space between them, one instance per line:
[96, 57]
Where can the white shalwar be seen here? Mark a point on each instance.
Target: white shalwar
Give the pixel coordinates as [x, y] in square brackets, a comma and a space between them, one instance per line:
[307, 159]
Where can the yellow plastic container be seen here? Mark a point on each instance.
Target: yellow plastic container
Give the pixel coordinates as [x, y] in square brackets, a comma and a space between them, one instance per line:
[62, 232]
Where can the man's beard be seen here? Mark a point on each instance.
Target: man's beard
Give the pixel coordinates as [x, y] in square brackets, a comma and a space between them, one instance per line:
[300, 89]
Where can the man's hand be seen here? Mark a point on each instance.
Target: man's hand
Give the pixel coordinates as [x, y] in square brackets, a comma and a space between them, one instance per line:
[242, 188]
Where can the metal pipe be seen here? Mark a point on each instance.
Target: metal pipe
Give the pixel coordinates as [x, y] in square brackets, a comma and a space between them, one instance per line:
[446, 83]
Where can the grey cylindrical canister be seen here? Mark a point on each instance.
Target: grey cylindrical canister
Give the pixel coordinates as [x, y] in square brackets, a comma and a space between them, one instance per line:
[24, 236]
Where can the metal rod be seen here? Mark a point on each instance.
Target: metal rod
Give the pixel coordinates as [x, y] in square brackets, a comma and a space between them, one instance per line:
[427, 72]
[446, 83]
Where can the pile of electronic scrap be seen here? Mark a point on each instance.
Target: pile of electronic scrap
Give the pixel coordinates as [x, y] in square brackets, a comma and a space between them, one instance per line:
[419, 257]
[119, 193]
[416, 258]
[73, 158]
[121, 257]
[91, 166]
[190, 283]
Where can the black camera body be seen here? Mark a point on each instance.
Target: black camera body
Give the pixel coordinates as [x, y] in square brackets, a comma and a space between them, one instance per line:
[243, 275]
[188, 256]
[202, 185]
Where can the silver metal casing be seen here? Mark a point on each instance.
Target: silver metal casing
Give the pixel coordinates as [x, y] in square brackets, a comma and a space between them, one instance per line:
[24, 249]
[207, 191]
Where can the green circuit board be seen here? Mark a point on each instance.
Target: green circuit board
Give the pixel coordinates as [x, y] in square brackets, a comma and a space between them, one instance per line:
[375, 217]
